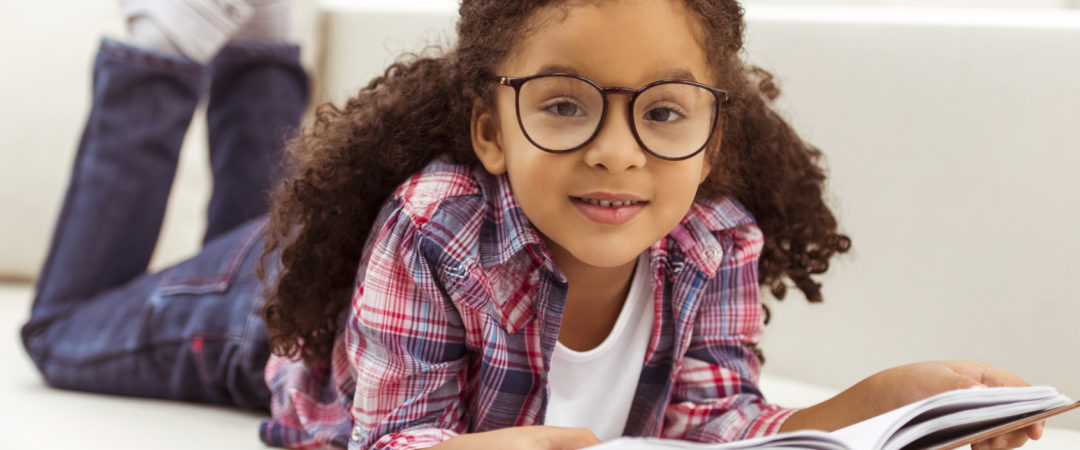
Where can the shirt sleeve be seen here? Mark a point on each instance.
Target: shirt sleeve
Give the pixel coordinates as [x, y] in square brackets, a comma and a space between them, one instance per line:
[716, 397]
[406, 342]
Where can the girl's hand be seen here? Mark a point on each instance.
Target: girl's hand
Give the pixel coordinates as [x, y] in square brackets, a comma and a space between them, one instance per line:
[906, 384]
[524, 438]
[899, 386]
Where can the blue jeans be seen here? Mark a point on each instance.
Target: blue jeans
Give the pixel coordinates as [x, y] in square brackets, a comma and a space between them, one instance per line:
[192, 332]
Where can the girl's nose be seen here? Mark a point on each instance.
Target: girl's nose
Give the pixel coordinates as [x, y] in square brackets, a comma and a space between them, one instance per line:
[615, 147]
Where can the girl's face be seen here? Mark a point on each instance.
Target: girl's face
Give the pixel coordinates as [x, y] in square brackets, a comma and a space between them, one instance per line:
[614, 43]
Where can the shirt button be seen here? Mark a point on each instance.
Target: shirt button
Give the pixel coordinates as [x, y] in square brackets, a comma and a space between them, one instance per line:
[357, 433]
[712, 253]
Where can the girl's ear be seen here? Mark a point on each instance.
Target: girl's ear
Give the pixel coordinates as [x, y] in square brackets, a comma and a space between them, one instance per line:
[486, 139]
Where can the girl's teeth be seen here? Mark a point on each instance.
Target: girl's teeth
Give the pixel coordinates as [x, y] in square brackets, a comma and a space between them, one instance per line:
[606, 203]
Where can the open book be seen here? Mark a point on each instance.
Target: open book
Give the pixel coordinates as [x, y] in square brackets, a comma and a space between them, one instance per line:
[947, 420]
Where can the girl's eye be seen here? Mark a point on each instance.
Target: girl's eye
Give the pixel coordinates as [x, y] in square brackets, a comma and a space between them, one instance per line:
[662, 115]
[565, 108]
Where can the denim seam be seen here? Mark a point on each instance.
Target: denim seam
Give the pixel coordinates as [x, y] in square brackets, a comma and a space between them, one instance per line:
[244, 51]
[134, 55]
[60, 360]
[260, 230]
[220, 282]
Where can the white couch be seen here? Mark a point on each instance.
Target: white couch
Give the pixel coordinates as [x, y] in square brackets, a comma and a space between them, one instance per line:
[950, 140]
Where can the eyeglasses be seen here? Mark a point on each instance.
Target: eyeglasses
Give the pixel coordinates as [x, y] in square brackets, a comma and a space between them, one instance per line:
[671, 119]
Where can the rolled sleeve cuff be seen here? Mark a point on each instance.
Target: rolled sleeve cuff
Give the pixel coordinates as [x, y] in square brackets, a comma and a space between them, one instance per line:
[769, 423]
[414, 439]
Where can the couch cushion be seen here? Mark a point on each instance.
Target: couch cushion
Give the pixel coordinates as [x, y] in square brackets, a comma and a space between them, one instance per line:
[39, 417]
[47, 418]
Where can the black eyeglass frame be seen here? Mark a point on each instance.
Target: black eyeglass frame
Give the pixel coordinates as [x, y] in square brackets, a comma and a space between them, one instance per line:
[517, 82]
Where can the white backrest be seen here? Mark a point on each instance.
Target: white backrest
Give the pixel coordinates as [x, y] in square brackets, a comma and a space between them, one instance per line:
[44, 102]
[951, 143]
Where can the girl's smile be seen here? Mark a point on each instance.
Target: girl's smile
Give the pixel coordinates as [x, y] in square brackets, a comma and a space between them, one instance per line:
[609, 209]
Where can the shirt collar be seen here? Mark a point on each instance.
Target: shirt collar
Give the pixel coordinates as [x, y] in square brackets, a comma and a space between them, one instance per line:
[506, 228]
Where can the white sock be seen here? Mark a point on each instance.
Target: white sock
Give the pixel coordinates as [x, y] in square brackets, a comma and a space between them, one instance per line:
[270, 21]
[143, 32]
[199, 28]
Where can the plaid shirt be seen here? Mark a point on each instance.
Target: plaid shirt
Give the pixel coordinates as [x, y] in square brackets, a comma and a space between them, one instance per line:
[457, 310]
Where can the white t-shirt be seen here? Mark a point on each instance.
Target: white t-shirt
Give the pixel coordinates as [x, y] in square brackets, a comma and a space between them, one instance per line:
[594, 389]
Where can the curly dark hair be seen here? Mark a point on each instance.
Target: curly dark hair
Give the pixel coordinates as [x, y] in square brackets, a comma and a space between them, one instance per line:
[346, 164]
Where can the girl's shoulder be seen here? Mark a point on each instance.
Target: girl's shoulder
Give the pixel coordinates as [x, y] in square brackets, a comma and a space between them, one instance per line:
[715, 230]
[452, 201]
[463, 207]
[719, 214]
[440, 180]
[437, 205]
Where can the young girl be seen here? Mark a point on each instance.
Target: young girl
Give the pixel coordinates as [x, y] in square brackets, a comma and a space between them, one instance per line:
[550, 236]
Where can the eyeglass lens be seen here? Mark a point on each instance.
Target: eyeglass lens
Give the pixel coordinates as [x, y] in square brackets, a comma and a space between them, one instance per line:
[560, 113]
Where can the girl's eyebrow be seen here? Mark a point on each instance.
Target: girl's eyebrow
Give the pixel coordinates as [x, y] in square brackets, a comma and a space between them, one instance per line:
[557, 68]
[679, 74]
[674, 74]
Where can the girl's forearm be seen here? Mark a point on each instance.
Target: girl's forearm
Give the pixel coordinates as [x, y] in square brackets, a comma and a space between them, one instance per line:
[537, 437]
[855, 404]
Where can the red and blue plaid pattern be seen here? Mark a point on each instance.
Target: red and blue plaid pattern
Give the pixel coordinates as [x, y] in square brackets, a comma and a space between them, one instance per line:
[457, 310]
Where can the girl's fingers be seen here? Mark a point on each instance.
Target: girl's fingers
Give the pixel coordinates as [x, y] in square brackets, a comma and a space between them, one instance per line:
[1015, 439]
[1035, 431]
[570, 438]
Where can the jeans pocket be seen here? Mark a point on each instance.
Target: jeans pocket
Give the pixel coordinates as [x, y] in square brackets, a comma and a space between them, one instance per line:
[210, 305]
[215, 268]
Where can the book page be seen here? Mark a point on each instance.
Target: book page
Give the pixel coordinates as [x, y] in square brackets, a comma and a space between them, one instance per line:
[871, 433]
[965, 422]
[876, 431]
[805, 439]
[943, 419]
[1006, 428]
